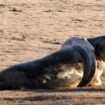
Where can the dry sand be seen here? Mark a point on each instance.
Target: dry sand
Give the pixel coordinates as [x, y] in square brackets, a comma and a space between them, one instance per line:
[30, 29]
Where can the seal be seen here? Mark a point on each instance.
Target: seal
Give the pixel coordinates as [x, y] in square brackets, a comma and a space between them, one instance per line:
[46, 73]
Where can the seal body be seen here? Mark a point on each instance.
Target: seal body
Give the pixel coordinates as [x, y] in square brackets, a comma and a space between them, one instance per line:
[53, 71]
